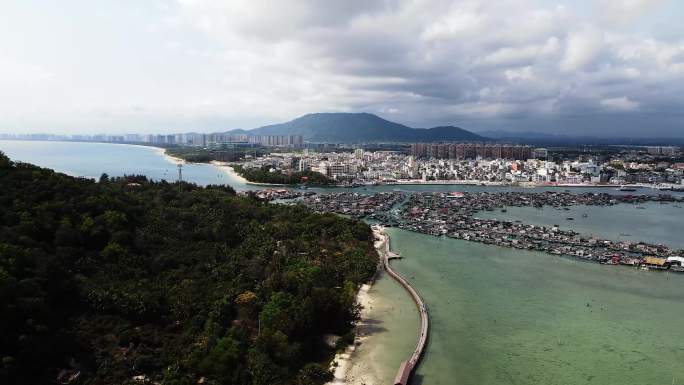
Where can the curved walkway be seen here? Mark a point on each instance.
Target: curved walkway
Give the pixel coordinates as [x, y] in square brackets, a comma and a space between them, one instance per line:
[406, 368]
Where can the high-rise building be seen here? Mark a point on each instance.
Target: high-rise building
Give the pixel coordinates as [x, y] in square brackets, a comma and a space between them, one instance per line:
[278, 140]
[470, 151]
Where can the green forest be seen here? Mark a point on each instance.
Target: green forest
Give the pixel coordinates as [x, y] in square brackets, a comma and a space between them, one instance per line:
[263, 175]
[204, 155]
[125, 280]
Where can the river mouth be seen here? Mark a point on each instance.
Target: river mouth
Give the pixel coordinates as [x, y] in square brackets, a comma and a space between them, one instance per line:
[502, 316]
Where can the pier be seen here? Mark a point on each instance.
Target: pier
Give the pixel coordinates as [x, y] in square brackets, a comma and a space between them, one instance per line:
[407, 367]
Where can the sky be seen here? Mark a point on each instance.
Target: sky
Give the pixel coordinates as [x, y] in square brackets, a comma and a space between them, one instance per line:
[583, 67]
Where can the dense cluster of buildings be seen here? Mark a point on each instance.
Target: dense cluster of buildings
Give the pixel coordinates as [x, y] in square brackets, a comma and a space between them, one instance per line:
[354, 204]
[215, 141]
[224, 140]
[455, 215]
[662, 150]
[470, 151]
[365, 167]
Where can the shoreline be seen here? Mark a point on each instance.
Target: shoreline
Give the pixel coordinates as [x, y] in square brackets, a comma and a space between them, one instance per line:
[225, 167]
[413, 182]
[162, 151]
[407, 367]
[342, 361]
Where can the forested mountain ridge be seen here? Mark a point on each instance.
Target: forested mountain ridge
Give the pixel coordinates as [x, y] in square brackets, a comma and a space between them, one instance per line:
[339, 127]
[103, 282]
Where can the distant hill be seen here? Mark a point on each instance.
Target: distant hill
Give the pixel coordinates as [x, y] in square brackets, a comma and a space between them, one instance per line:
[360, 127]
[544, 139]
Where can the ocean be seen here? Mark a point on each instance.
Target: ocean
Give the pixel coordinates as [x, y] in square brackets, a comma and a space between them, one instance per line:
[91, 160]
[498, 315]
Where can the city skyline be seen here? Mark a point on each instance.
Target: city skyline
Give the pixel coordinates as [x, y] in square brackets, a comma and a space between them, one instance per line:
[604, 68]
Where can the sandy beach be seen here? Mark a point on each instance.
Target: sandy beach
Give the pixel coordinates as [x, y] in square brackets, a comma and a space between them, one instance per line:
[342, 361]
[229, 170]
[223, 166]
[162, 152]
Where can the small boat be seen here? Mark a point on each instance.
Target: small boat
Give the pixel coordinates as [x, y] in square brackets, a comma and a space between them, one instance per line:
[626, 188]
[503, 210]
[570, 218]
[585, 215]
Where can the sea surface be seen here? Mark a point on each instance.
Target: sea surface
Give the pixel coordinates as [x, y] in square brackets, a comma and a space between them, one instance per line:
[91, 160]
[498, 315]
[505, 316]
[653, 222]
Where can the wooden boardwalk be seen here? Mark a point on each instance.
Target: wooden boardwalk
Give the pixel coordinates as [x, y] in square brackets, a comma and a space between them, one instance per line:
[406, 368]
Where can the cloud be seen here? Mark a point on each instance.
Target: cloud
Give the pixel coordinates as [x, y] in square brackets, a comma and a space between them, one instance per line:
[524, 73]
[627, 11]
[209, 64]
[13, 71]
[582, 47]
[622, 103]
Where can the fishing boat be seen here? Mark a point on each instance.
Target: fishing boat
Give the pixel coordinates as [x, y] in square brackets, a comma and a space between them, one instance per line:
[626, 188]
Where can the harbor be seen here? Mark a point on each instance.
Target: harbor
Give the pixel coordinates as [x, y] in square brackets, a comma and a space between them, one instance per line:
[497, 315]
[512, 316]
[455, 215]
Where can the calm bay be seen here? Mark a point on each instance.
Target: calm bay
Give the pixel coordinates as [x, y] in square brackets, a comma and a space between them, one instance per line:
[499, 316]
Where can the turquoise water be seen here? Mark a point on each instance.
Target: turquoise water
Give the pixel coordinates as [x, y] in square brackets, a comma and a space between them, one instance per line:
[389, 333]
[498, 315]
[502, 316]
[92, 159]
[656, 223]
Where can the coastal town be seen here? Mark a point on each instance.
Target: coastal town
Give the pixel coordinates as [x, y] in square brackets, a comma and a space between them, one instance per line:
[455, 215]
[459, 163]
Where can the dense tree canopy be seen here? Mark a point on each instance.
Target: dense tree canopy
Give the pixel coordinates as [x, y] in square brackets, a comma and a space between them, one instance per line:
[264, 175]
[104, 282]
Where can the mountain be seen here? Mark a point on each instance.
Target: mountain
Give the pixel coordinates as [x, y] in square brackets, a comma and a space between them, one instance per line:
[359, 127]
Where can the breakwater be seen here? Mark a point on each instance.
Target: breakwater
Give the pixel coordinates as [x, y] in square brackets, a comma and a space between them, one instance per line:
[407, 367]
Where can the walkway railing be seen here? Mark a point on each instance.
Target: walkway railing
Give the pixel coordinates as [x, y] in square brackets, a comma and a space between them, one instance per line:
[407, 367]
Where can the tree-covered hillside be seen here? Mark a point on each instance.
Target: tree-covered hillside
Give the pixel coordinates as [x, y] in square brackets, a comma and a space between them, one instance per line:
[263, 175]
[359, 128]
[129, 281]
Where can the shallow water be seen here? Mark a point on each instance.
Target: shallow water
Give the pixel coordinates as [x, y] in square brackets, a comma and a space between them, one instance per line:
[504, 316]
[389, 334]
[656, 223]
[498, 315]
